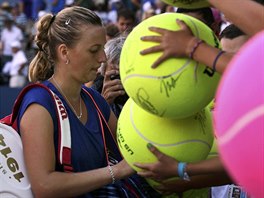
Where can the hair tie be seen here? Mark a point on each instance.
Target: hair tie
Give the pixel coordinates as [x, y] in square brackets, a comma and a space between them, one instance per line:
[51, 20]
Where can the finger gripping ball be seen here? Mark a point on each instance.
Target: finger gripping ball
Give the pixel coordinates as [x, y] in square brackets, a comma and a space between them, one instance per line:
[239, 117]
[187, 140]
[179, 87]
[189, 4]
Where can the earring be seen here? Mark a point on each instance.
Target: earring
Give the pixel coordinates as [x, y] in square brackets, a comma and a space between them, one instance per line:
[67, 62]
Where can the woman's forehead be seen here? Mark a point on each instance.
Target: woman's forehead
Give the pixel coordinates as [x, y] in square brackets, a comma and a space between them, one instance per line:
[93, 33]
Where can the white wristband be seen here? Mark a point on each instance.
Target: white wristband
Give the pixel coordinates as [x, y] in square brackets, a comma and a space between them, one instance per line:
[111, 173]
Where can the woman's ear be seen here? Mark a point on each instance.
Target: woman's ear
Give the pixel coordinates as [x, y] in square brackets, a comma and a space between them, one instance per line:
[62, 51]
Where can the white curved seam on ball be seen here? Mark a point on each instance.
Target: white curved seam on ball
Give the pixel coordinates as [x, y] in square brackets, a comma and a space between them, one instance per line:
[158, 77]
[236, 128]
[163, 145]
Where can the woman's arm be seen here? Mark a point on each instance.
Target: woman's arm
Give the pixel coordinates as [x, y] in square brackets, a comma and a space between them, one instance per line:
[245, 14]
[36, 127]
[181, 43]
[196, 182]
[157, 171]
[207, 54]
[208, 166]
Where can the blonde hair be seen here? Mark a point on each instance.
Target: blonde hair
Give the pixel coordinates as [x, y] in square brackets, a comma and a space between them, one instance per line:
[53, 30]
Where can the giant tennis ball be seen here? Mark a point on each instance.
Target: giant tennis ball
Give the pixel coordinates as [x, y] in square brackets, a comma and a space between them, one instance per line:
[187, 140]
[179, 87]
[189, 4]
[239, 117]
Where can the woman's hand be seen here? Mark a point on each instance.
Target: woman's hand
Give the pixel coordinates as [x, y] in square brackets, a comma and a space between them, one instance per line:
[171, 43]
[165, 167]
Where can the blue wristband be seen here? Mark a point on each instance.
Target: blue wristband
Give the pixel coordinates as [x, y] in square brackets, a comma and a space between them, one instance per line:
[181, 168]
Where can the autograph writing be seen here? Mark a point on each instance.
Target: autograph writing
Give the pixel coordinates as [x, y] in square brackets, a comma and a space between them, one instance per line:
[168, 84]
[143, 99]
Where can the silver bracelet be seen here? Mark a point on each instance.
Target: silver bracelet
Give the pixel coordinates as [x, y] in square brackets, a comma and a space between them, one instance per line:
[111, 173]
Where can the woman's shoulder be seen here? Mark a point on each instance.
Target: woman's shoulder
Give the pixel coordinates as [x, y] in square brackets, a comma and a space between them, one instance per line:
[37, 94]
[40, 94]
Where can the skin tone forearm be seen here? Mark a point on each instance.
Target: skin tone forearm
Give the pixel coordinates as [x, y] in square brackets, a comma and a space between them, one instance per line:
[243, 13]
[209, 166]
[203, 174]
[156, 170]
[197, 182]
[240, 12]
[180, 43]
[203, 181]
[57, 184]
[210, 55]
